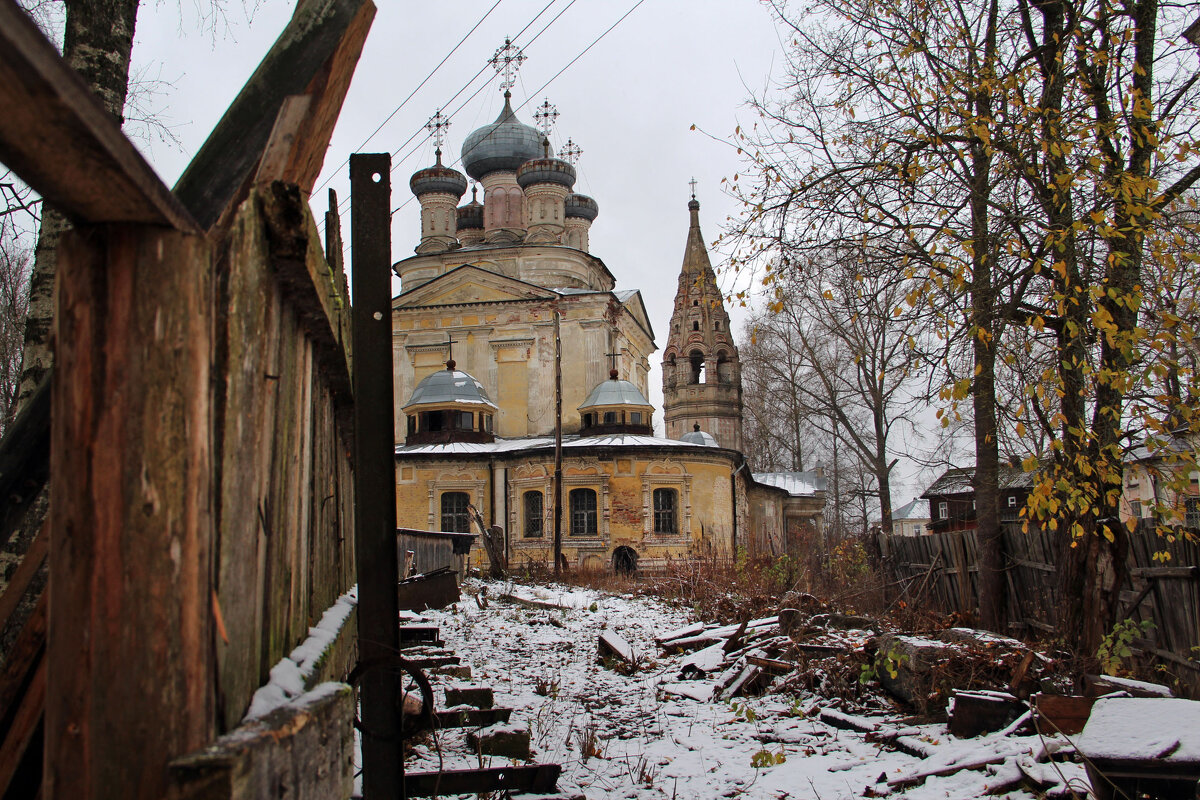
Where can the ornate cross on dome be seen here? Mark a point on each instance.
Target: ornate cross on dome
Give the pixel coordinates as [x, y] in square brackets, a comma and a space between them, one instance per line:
[571, 152]
[692, 183]
[545, 116]
[612, 361]
[437, 126]
[506, 61]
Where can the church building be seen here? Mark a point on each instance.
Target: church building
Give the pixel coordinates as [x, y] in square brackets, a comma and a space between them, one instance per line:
[501, 297]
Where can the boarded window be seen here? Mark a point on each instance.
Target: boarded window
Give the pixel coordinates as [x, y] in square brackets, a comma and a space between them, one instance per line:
[665, 504]
[583, 512]
[533, 514]
[455, 518]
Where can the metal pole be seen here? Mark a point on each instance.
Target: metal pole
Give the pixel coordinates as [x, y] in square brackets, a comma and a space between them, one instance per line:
[375, 472]
[557, 445]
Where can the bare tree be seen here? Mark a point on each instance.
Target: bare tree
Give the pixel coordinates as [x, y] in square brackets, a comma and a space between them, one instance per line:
[15, 264]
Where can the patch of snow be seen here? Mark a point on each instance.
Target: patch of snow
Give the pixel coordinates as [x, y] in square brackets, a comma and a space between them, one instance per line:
[1142, 728]
[291, 675]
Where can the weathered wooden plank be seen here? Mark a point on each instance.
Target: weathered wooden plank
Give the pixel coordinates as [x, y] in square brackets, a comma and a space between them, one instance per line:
[48, 112]
[303, 750]
[26, 653]
[315, 55]
[535, 778]
[128, 654]
[22, 727]
[34, 557]
[282, 140]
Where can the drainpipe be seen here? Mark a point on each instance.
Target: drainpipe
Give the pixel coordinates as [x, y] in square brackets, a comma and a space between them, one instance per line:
[733, 503]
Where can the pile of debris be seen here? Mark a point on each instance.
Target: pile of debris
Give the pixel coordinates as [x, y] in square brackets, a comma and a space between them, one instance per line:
[1008, 709]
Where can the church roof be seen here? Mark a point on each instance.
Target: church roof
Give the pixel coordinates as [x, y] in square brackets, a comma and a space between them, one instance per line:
[797, 484]
[449, 386]
[570, 442]
[695, 253]
[506, 144]
[614, 392]
[698, 436]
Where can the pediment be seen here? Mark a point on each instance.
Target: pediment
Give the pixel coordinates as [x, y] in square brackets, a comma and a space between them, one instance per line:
[637, 309]
[468, 285]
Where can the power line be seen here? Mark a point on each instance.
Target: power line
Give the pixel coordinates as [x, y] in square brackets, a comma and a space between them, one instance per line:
[533, 95]
[396, 164]
[396, 110]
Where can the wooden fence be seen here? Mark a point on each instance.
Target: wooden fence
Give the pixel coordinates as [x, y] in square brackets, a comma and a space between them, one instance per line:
[940, 571]
[200, 436]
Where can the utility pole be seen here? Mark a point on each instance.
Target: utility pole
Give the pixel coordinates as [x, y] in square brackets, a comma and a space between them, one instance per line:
[557, 444]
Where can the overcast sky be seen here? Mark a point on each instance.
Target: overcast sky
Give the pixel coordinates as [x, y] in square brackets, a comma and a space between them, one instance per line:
[629, 102]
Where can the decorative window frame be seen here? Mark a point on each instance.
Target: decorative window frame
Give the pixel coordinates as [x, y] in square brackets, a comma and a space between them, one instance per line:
[474, 487]
[681, 482]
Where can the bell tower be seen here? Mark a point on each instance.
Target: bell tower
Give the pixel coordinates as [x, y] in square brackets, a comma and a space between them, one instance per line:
[702, 376]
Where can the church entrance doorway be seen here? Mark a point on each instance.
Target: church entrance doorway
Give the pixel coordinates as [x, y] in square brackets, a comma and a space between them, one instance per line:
[625, 560]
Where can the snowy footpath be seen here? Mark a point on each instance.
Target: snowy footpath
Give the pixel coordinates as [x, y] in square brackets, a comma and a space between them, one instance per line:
[623, 736]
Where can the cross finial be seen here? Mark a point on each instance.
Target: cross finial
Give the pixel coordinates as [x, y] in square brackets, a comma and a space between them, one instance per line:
[437, 126]
[506, 61]
[450, 342]
[692, 183]
[612, 363]
[545, 116]
[571, 152]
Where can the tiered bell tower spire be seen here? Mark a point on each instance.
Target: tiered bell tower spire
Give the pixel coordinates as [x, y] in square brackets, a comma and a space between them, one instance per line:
[702, 376]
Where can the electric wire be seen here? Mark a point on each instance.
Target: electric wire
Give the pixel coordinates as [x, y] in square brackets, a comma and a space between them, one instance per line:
[396, 163]
[396, 110]
[539, 90]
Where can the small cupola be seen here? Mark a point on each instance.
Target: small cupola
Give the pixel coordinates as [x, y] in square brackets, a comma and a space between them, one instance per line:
[615, 406]
[438, 189]
[697, 436]
[470, 221]
[449, 406]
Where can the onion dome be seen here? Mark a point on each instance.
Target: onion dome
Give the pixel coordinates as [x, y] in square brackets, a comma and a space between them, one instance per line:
[449, 406]
[470, 216]
[506, 144]
[697, 436]
[546, 170]
[438, 179]
[580, 206]
[615, 406]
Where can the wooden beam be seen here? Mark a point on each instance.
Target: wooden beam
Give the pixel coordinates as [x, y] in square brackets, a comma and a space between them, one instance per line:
[32, 561]
[533, 778]
[314, 56]
[129, 651]
[57, 136]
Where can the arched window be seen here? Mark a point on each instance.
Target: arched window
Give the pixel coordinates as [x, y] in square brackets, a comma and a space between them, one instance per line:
[455, 518]
[666, 502]
[533, 514]
[695, 326]
[583, 512]
[697, 361]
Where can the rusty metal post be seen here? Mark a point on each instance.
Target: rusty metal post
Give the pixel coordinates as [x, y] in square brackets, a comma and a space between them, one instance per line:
[375, 472]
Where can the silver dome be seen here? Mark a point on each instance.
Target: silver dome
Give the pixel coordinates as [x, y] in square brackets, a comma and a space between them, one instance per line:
[582, 207]
[614, 392]
[504, 145]
[699, 437]
[449, 386]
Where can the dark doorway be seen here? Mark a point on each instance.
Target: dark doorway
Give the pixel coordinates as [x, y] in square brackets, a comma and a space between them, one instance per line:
[625, 560]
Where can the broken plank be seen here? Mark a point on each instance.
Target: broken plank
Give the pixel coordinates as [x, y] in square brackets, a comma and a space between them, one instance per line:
[315, 55]
[470, 717]
[533, 778]
[49, 112]
[774, 666]
[612, 644]
[679, 633]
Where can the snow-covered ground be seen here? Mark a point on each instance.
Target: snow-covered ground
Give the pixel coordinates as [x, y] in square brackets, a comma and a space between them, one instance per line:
[542, 663]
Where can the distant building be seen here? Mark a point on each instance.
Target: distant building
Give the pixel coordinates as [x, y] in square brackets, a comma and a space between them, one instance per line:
[490, 289]
[910, 519]
[1155, 480]
[952, 497]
